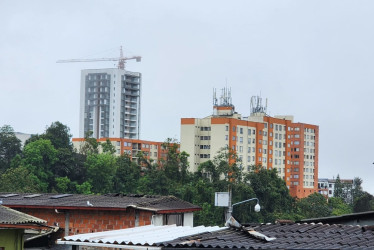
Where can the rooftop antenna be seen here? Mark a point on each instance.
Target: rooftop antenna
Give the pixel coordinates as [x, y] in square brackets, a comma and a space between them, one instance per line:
[214, 97]
[256, 105]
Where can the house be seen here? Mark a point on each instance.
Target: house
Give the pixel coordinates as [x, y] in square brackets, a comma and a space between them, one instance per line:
[13, 225]
[77, 213]
[251, 236]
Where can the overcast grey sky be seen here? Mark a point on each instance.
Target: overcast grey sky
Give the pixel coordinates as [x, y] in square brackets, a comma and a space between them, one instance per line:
[311, 59]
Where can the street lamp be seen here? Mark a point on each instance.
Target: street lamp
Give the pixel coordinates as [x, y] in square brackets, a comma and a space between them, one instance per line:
[231, 208]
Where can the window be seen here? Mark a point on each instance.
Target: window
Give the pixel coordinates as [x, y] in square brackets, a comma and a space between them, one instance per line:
[297, 142]
[226, 137]
[265, 125]
[260, 132]
[241, 139]
[241, 149]
[233, 129]
[233, 138]
[249, 131]
[241, 130]
[227, 128]
[259, 150]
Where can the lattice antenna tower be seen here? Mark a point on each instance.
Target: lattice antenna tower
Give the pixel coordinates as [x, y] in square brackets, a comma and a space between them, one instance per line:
[225, 99]
[215, 101]
[256, 105]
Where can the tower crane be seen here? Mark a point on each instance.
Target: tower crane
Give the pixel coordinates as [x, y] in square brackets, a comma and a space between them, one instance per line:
[121, 59]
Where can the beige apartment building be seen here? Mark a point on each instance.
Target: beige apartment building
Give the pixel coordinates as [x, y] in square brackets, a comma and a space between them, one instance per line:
[274, 142]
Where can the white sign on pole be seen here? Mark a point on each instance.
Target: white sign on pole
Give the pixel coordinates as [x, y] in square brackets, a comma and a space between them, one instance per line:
[221, 199]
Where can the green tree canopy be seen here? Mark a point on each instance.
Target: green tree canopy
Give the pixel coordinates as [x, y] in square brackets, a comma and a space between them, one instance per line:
[313, 206]
[100, 172]
[10, 146]
[40, 157]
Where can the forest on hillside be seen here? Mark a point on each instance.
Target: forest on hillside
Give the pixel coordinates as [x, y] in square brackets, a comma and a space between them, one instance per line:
[48, 163]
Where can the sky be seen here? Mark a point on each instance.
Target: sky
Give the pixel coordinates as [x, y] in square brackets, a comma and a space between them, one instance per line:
[311, 59]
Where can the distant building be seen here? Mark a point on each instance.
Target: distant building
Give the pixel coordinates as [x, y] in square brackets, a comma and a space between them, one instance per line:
[327, 187]
[274, 142]
[110, 103]
[150, 149]
[22, 137]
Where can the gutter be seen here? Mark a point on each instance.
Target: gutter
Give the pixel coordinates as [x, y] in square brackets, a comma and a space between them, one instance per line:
[90, 244]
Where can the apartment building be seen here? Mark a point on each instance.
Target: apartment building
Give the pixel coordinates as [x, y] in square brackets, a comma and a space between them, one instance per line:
[110, 103]
[326, 187]
[273, 142]
[151, 150]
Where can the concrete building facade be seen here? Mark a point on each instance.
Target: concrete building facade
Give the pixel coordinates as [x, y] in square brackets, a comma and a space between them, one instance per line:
[274, 142]
[110, 103]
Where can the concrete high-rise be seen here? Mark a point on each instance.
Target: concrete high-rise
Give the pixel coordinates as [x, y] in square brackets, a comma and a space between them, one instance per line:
[273, 142]
[110, 103]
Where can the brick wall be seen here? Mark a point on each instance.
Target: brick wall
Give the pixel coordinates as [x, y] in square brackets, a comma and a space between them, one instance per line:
[89, 221]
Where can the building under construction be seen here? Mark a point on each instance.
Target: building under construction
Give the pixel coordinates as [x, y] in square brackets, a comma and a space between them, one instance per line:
[109, 100]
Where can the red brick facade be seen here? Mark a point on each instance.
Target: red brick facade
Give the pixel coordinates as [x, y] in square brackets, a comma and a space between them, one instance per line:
[89, 221]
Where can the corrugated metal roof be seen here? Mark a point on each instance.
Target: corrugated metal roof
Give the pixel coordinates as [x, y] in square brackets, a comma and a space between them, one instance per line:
[284, 236]
[145, 235]
[10, 216]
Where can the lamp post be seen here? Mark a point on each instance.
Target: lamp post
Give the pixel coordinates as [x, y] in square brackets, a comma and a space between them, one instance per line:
[231, 207]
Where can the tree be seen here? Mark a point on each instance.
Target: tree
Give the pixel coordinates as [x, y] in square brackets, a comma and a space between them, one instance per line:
[40, 157]
[59, 135]
[272, 192]
[363, 203]
[357, 191]
[108, 147]
[127, 175]
[90, 145]
[175, 165]
[338, 206]
[19, 179]
[313, 206]
[338, 188]
[100, 172]
[10, 146]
